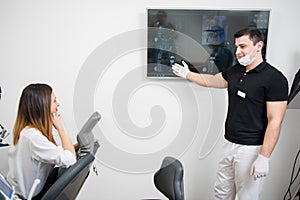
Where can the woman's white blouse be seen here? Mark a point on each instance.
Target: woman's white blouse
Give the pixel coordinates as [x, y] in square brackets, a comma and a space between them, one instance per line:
[34, 157]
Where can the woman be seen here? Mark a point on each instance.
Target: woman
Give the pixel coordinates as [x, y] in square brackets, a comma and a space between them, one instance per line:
[34, 152]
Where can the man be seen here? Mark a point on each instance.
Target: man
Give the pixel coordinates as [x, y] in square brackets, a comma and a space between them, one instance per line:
[257, 102]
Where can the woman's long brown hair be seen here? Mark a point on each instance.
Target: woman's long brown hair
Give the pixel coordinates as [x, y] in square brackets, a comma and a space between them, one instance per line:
[34, 111]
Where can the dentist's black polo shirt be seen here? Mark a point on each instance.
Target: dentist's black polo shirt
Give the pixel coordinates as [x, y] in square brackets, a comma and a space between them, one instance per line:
[248, 93]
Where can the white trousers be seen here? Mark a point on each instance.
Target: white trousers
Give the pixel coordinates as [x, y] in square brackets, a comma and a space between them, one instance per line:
[233, 178]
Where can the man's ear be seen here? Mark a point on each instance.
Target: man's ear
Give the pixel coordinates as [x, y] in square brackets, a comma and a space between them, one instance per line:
[260, 45]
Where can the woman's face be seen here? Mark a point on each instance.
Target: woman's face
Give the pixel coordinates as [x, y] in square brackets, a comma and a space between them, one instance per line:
[54, 103]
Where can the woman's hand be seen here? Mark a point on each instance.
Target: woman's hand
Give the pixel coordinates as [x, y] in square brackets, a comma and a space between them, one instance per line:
[57, 121]
[59, 126]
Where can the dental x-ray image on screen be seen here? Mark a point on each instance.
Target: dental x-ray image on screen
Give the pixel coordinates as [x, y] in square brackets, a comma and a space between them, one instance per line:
[203, 38]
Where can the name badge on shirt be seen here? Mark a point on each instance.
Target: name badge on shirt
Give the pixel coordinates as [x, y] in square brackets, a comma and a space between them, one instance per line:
[241, 94]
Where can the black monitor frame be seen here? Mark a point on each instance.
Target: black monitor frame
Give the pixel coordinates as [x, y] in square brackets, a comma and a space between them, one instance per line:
[169, 30]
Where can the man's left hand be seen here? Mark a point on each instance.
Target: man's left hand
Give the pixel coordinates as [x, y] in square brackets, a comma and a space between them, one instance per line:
[260, 167]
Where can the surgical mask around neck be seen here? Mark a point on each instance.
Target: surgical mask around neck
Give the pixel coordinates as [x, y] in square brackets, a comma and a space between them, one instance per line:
[246, 60]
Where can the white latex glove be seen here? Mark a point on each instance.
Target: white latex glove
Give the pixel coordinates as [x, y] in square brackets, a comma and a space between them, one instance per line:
[260, 167]
[180, 70]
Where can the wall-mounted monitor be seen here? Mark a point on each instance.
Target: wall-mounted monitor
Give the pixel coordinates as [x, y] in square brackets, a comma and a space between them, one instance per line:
[203, 38]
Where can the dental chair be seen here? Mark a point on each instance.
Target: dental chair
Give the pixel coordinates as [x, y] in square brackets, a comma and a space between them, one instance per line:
[69, 183]
[169, 179]
[295, 87]
[65, 184]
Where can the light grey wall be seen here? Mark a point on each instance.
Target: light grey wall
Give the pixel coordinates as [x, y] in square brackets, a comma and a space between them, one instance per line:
[93, 54]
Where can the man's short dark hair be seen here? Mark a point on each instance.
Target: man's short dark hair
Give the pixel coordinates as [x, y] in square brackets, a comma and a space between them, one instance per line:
[254, 34]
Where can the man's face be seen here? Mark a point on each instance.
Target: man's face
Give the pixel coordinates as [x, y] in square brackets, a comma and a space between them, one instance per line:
[244, 46]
